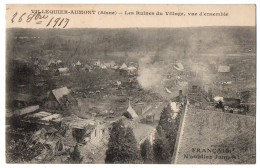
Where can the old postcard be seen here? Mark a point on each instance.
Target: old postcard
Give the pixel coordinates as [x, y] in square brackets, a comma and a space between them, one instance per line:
[142, 84]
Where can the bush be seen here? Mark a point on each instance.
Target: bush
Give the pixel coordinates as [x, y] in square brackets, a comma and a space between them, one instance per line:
[122, 145]
[147, 152]
[75, 156]
[168, 126]
[161, 148]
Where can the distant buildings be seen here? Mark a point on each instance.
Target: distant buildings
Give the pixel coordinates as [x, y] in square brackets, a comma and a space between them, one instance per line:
[78, 64]
[87, 68]
[110, 64]
[55, 64]
[132, 70]
[59, 64]
[97, 63]
[179, 66]
[125, 70]
[223, 69]
[61, 71]
[51, 63]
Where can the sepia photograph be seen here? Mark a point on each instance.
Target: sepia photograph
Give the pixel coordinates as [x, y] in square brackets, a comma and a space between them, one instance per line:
[129, 95]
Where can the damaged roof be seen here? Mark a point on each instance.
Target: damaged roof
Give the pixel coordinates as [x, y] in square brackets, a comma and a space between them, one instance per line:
[51, 117]
[59, 93]
[41, 118]
[131, 111]
[76, 122]
[63, 70]
[124, 67]
[155, 110]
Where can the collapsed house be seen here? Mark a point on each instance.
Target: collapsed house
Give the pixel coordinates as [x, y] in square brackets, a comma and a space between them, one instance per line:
[55, 64]
[232, 105]
[59, 64]
[231, 102]
[87, 68]
[85, 130]
[58, 99]
[42, 119]
[152, 113]
[51, 63]
[197, 96]
[67, 133]
[132, 70]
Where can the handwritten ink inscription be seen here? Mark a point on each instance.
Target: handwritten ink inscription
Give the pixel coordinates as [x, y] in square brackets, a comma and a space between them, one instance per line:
[38, 18]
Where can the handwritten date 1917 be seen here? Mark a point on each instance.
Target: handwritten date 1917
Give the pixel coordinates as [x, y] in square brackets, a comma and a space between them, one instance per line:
[55, 22]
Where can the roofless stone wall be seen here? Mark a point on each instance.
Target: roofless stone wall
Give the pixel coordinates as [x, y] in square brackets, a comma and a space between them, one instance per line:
[207, 137]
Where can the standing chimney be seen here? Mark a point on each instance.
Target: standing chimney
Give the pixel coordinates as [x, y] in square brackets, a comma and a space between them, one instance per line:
[180, 95]
[210, 94]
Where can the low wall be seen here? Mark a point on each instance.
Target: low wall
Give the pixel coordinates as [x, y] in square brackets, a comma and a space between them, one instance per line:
[207, 137]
